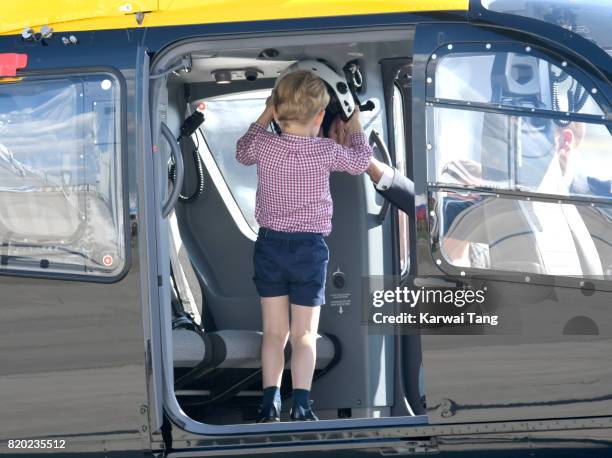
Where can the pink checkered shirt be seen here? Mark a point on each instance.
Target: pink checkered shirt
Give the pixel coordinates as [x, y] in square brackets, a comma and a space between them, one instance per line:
[293, 176]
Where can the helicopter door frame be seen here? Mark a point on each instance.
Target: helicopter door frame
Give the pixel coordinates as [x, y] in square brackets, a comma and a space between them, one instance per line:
[151, 276]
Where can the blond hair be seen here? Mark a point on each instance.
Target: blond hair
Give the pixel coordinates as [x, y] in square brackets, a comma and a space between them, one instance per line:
[298, 97]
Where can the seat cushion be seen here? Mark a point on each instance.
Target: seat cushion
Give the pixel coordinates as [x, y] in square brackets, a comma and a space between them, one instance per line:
[188, 348]
[237, 349]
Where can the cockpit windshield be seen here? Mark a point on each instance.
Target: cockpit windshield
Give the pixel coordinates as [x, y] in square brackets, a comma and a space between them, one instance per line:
[589, 18]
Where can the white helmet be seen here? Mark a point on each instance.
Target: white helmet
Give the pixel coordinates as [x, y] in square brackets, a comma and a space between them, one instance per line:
[342, 100]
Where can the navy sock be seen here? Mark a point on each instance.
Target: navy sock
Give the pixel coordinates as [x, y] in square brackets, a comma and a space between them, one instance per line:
[271, 395]
[301, 398]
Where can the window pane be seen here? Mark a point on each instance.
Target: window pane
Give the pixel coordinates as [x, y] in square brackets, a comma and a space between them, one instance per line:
[501, 233]
[511, 79]
[519, 153]
[589, 18]
[60, 176]
[227, 119]
[400, 163]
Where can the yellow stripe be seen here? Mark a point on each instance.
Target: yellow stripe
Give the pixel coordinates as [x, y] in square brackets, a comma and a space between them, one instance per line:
[17, 15]
[75, 15]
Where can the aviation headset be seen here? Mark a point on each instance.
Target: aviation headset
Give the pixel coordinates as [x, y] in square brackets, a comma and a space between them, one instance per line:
[343, 93]
[342, 101]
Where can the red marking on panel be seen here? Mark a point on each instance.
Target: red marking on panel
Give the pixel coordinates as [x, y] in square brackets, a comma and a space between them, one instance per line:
[11, 62]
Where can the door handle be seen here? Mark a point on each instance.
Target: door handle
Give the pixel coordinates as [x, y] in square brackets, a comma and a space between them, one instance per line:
[376, 140]
[179, 171]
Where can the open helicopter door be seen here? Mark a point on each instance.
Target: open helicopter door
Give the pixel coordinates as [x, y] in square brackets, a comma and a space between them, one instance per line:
[506, 206]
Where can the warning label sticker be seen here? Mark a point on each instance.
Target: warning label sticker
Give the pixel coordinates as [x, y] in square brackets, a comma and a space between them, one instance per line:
[340, 299]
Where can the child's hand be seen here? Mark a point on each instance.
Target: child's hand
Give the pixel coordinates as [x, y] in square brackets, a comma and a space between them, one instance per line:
[268, 114]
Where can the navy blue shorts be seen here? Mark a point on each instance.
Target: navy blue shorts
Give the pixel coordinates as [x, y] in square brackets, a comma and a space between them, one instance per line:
[291, 264]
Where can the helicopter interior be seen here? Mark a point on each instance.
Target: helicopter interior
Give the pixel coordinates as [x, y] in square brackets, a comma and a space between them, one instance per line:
[217, 371]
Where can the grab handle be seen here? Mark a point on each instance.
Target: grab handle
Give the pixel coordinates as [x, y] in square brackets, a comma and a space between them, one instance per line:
[376, 140]
[179, 171]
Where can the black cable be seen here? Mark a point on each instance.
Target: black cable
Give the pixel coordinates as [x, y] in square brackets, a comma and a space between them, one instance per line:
[188, 128]
[579, 99]
[577, 96]
[199, 169]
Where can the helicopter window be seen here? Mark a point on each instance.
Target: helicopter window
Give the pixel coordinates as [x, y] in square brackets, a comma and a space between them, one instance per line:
[503, 233]
[227, 118]
[521, 157]
[61, 199]
[589, 18]
[400, 164]
[511, 79]
[520, 153]
[516, 186]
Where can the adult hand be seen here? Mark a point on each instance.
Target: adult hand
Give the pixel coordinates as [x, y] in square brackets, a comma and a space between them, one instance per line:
[354, 124]
[337, 131]
[375, 170]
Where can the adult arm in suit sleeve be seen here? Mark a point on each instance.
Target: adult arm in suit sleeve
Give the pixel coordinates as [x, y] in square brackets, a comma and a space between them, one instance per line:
[392, 185]
[388, 181]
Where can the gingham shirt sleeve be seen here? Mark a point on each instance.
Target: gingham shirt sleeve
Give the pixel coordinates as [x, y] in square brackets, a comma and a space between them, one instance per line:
[247, 145]
[353, 158]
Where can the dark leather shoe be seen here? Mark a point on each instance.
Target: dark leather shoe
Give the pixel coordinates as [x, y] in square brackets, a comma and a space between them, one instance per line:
[269, 414]
[299, 413]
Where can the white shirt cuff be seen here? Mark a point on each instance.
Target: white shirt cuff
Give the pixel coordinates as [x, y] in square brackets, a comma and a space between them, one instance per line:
[387, 178]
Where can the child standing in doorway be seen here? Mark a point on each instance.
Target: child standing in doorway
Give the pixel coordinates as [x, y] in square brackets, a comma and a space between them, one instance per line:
[294, 210]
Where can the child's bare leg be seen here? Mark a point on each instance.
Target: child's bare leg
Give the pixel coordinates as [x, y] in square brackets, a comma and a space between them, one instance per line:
[275, 317]
[304, 325]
